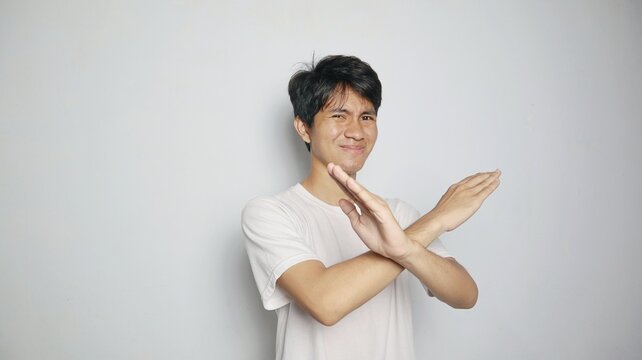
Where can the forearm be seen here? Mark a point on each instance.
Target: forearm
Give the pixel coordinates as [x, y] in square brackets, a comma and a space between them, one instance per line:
[349, 284]
[343, 287]
[445, 278]
[424, 230]
[338, 290]
[379, 230]
[346, 286]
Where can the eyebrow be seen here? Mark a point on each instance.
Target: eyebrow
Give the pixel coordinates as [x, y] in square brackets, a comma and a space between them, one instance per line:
[342, 110]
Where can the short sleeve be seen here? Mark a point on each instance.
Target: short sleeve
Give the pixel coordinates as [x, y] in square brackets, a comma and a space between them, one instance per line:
[273, 243]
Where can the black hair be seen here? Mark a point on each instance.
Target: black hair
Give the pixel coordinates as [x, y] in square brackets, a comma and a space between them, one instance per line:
[312, 88]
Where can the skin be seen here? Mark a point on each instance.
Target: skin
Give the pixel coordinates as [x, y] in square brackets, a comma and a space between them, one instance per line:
[341, 138]
[343, 132]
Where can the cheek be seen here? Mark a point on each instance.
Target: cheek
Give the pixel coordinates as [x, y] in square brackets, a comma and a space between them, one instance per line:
[328, 136]
[325, 136]
[335, 131]
[372, 134]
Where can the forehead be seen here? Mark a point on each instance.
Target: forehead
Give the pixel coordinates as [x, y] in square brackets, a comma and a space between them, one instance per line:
[345, 97]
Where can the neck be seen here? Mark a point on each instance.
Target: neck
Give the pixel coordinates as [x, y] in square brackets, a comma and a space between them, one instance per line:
[320, 184]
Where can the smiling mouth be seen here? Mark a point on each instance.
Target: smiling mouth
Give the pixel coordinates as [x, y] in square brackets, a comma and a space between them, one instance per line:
[353, 148]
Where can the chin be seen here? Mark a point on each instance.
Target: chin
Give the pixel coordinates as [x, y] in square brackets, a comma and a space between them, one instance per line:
[351, 167]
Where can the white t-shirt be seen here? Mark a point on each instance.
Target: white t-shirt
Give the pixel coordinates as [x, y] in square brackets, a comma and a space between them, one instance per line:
[295, 226]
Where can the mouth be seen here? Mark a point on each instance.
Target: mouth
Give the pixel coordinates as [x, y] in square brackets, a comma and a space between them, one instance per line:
[353, 149]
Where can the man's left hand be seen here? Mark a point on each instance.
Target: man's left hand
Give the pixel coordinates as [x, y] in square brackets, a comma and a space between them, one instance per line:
[375, 224]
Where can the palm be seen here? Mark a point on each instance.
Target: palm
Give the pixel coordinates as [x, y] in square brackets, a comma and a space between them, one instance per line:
[375, 225]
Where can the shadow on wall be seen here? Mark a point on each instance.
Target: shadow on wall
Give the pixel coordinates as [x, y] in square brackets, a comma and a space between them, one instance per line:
[245, 307]
[293, 162]
[298, 159]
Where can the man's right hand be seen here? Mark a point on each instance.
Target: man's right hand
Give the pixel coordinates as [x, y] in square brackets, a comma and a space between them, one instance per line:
[456, 206]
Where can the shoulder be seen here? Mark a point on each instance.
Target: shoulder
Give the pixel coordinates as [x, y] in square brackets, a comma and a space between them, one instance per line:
[261, 204]
[275, 208]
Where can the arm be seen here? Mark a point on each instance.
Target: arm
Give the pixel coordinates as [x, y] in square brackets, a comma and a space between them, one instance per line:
[328, 294]
[460, 290]
[444, 277]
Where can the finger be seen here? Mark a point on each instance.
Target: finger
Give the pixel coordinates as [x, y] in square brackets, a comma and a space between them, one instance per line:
[361, 194]
[338, 174]
[466, 179]
[489, 189]
[486, 181]
[339, 179]
[481, 177]
[367, 201]
[348, 184]
[350, 210]
[354, 188]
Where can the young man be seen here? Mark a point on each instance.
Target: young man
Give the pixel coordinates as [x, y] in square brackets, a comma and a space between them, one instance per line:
[328, 255]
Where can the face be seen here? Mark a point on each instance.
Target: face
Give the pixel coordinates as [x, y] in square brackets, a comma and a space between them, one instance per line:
[343, 132]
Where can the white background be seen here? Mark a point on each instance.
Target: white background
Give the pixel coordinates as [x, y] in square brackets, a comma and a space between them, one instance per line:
[132, 133]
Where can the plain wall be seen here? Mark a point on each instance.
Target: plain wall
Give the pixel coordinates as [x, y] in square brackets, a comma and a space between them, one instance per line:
[132, 133]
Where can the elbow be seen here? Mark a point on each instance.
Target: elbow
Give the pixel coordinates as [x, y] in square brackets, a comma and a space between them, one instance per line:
[327, 320]
[469, 299]
[466, 304]
[326, 312]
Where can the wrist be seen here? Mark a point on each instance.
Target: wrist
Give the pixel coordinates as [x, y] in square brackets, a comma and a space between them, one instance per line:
[425, 230]
[406, 259]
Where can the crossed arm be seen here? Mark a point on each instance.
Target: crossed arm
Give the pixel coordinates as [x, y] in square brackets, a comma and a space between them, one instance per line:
[330, 293]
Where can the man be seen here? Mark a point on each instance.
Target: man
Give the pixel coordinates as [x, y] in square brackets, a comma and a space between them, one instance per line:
[334, 273]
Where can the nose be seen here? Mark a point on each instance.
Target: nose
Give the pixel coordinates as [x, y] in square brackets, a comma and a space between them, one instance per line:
[354, 129]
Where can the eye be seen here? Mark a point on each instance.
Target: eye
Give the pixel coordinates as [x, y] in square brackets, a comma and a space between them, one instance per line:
[337, 116]
[367, 117]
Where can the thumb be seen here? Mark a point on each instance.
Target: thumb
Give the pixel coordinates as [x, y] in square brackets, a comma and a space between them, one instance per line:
[349, 209]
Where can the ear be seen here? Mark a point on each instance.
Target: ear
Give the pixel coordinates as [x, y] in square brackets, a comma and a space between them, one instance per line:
[302, 129]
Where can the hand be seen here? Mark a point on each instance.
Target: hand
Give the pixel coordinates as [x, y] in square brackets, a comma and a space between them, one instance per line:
[375, 225]
[463, 199]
